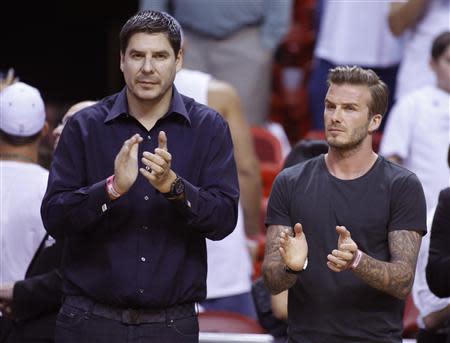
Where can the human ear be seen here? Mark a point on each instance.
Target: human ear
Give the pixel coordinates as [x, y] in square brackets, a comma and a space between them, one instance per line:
[375, 122]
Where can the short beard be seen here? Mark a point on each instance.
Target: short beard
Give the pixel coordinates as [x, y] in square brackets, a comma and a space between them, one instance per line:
[355, 142]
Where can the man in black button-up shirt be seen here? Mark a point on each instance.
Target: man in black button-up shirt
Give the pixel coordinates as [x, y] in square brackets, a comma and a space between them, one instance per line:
[137, 183]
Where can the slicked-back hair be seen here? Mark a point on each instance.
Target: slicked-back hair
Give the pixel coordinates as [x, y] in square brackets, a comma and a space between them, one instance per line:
[151, 22]
[440, 44]
[379, 91]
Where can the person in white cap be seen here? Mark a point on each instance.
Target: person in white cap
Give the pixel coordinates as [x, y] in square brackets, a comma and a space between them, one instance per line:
[22, 180]
[34, 302]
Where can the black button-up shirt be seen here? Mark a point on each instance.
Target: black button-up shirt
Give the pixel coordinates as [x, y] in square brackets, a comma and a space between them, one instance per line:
[140, 250]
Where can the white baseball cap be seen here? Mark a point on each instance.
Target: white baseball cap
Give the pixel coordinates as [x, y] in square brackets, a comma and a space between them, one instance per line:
[22, 110]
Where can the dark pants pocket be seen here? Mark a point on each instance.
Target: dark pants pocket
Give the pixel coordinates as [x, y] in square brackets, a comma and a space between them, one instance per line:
[187, 327]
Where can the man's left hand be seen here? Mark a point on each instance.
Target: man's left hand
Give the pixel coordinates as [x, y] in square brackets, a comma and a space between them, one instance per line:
[158, 166]
[341, 258]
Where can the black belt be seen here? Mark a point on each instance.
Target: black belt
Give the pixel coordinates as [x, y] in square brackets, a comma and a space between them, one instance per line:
[129, 315]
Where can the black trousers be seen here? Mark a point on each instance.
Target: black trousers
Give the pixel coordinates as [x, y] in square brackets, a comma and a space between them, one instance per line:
[87, 322]
[5, 329]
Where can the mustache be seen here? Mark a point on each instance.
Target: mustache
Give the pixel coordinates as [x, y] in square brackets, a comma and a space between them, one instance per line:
[336, 127]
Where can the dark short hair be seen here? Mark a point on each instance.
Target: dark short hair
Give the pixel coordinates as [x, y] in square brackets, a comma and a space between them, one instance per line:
[151, 22]
[379, 91]
[440, 44]
[18, 140]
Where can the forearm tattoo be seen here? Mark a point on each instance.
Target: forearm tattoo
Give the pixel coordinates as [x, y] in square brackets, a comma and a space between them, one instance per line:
[396, 276]
[275, 278]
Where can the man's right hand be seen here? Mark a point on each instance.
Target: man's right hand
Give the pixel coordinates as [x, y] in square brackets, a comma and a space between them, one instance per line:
[294, 250]
[126, 164]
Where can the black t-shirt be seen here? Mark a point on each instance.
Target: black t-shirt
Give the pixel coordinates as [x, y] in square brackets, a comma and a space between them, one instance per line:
[325, 306]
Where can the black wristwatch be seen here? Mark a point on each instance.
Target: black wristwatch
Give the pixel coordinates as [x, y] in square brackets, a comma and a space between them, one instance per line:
[176, 189]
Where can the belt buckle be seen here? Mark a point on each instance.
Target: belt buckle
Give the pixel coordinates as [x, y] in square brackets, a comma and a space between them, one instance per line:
[131, 316]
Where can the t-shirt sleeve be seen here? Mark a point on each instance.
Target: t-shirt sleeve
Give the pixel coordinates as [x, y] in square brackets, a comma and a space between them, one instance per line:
[398, 131]
[278, 207]
[408, 208]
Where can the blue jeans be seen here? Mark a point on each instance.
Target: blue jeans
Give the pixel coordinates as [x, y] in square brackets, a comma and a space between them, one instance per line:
[80, 325]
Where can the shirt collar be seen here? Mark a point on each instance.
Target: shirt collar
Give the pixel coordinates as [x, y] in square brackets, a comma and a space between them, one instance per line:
[120, 106]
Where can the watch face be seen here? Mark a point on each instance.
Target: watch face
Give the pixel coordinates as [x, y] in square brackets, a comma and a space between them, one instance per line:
[178, 187]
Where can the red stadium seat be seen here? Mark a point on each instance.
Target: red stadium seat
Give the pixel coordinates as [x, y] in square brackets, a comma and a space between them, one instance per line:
[269, 152]
[229, 322]
[267, 146]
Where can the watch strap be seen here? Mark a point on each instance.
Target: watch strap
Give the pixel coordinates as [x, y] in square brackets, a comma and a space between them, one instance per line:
[172, 193]
[296, 272]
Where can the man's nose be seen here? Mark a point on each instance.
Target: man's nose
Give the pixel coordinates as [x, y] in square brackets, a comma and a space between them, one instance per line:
[148, 65]
[336, 115]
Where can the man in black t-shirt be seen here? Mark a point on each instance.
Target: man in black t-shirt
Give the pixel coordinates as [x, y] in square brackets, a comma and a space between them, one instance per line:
[344, 228]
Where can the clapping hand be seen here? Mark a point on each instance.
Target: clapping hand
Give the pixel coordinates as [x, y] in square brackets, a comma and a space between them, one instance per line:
[294, 249]
[158, 166]
[341, 258]
[126, 164]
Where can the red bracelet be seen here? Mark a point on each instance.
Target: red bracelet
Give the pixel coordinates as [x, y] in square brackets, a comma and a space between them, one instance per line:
[356, 259]
[112, 192]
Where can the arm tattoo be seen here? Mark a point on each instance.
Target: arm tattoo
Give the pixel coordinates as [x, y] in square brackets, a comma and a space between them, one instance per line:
[275, 278]
[396, 276]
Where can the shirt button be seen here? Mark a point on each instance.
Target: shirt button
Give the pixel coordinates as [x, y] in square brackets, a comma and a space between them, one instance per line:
[149, 137]
[141, 290]
[146, 197]
[143, 259]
